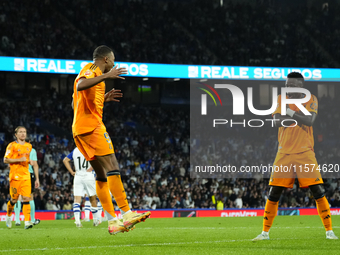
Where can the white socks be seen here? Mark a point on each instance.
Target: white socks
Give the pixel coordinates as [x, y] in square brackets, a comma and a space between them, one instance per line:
[122, 212]
[76, 212]
[95, 213]
[110, 217]
[87, 209]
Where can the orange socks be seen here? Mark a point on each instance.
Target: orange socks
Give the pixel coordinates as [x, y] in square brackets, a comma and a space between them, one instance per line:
[105, 197]
[270, 212]
[26, 210]
[10, 208]
[117, 190]
[324, 212]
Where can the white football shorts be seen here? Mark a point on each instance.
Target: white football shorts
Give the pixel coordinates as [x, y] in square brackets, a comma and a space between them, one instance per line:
[83, 185]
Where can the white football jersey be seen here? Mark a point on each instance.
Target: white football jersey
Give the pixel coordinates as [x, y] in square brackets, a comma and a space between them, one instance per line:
[80, 163]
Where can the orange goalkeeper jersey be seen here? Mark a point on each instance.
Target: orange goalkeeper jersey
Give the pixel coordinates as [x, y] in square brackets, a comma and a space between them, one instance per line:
[88, 104]
[299, 138]
[19, 171]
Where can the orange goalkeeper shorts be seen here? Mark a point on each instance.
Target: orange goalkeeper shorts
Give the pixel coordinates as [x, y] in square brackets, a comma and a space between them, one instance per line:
[302, 165]
[95, 143]
[20, 187]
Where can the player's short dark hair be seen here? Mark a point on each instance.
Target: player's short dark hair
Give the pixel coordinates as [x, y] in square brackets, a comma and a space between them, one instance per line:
[101, 51]
[296, 75]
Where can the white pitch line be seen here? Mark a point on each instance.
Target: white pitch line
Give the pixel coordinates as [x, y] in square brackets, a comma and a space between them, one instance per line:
[125, 245]
[143, 245]
[173, 228]
[193, 228]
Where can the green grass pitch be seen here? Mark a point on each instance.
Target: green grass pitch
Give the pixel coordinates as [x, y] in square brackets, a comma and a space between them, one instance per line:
[289, 235]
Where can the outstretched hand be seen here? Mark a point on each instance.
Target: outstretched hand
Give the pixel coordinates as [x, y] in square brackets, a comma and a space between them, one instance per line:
[115, 73]
[112, 95]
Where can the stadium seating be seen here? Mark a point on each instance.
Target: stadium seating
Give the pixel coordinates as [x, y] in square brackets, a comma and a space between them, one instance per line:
[175, 32]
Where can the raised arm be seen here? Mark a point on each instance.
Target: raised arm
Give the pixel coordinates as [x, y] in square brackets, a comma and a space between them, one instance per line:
[307, 120]
[86, 83]
[302, 119]
[278, 118]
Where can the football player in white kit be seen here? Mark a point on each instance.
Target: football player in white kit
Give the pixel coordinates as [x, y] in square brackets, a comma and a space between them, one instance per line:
[83, 183]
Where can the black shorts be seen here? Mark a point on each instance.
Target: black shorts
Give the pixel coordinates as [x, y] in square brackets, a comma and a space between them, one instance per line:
[32, 182]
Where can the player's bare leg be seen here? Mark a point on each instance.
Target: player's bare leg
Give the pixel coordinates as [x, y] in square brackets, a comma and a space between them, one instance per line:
[102, 189]
[95, 212]
[130, 219]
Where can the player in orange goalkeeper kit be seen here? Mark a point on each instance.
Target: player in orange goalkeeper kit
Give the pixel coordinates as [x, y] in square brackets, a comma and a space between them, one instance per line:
[296, 148]
[18, 157]
[94, 142]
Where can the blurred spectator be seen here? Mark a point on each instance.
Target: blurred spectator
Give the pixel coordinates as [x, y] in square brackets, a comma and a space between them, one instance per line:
[175, 32]
[67, 206]
[49, 206]
[239, 202]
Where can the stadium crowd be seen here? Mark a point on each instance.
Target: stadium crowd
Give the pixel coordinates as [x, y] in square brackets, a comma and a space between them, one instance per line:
[37, 30]
[152, 146]
[175, 32]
